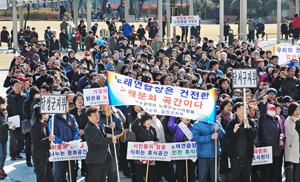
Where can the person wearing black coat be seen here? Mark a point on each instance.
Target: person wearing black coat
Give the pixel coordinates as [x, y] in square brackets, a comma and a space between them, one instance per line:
[54, 46]
[63, 39]
[240, 134]
[195, 31]
[79, 113]
[4, 125]
[226, 30]
[141, 32]
[5, 37]
[15, 101]
[144, 132]
[41, 144]
[285, 29]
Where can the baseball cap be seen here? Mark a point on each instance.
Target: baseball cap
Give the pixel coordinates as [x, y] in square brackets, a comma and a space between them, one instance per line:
[271, 106]
[83, 67]
[22, 79]
[42, 68]
[110, 67]
[87, 53]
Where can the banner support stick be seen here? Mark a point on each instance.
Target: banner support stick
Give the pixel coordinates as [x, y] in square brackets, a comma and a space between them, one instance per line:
[216, 159]
[52, 127]
[115, 149]
[70, 174]
[245, 105]
[147, 171]
[186, 171]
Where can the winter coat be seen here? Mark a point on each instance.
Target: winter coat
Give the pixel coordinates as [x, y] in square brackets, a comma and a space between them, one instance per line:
[260, 27]
[270, 131]
[291, 141]
[48, 35]
[241, 143]
[3, 127]
[54, 46]
[202, 132]
[178, 134]
[62, 131]
[204, 65]
[127, 29]
[15, 104]
[296, 22]
[226, 29]
[142, 134]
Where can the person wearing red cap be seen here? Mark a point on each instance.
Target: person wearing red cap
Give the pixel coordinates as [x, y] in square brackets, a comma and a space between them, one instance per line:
[271, 135]
[24, 86]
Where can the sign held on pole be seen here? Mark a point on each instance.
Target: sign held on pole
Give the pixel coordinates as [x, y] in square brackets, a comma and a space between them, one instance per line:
[53, 104]
[244, 78]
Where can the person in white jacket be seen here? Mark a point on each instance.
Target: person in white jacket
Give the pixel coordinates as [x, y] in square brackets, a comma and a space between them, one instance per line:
[292, 143]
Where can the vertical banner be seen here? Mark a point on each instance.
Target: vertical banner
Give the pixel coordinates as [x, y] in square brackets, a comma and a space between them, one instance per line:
[162, 99]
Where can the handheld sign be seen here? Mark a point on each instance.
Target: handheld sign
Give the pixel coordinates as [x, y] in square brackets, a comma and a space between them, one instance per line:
[95, 96]
[53, 104]
[185, 21]
[244, 78]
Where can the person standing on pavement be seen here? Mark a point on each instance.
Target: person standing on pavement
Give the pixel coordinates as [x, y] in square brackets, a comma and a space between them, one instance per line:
[4, 125]
[226, 30]
[127, 29]
[41, 143]
[251, 29]
[260, 29]
[62, 11]
[15, 101]
[98, 140]
[296, 26]
[64, 25]
[89, 41]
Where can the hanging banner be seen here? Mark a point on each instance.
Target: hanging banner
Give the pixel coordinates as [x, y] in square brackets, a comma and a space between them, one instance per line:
[148, 151]
[181, 21]
[286, 53]
[161, 99]
[60, 153]
[95, 96]
[53, 104]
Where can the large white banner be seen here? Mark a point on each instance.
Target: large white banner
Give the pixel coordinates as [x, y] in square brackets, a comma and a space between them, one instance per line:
[95, 96]
[185, 21]
[162, 99]
[286, 53]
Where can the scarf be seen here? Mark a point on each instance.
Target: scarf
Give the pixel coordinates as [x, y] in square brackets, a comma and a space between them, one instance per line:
[228, 117]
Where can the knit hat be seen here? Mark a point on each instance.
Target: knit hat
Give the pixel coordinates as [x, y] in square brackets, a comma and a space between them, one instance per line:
[270, 90]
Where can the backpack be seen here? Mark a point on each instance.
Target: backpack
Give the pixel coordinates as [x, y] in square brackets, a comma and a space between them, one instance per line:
[296, 89]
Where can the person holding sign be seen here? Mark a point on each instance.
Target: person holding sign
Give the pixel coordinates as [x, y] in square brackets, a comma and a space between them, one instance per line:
[271, 135]
[182, 129]
[98, 141]
[41, 142]
[292, 143]
[205, 134]
[4, 125]
[240, 134]
[144, 132]
[65, 130]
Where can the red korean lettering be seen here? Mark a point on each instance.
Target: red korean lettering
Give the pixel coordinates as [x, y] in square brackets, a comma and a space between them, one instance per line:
[198, 104]
[145, 146]
[255, 151]
[82, 146]
[167, 100]
[58, 147]
[188, 103]
[265, 150]
[177, 101]
[288, 56]
[158, 147]
[132, 93]
[122, 89]
[135, 145]
[150, 146]
[142, 95]
[294, 56]
[152, 97]
[140, 146]
[259, 151]
[163, 147]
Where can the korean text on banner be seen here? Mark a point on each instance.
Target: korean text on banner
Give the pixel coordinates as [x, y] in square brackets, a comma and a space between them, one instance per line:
[60, 153]
[244, 78]
[53, 104]
[162, 99]
[95, 96]
[148, 151]
[183, 150]
[185, 21]
[262, 155]
[286, 53]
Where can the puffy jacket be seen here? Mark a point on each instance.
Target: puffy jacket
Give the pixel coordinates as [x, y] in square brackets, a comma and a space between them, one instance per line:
[178, 134]
[291, 152]
[81, 120]
[169, 135]
[270, 130]
[142, 134]
[127, 29]
[202, 132]
[62, 132]
[15, 104]
[3, 127]
[204, 65]
[260, 27]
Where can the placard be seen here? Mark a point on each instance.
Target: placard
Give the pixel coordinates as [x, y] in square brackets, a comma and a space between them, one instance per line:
[185, 21]
[244, 78]
[286, 53]
[60, 153]
[262, 155]
[148, 151]
[183, 150]
[162, 99]
[53, 104]
[95, 96]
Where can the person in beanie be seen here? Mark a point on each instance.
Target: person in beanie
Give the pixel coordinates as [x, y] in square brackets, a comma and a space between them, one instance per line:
[271, 135]
[240, 134]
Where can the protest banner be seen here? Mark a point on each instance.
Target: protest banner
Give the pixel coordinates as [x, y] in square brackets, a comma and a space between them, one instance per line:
[244, 78]
[286, 53]
[148, 151]
[178, 21]
[162, 99]
[262, 155]
[60, 153]
[53, 104]
[183, 150]
[95, 96]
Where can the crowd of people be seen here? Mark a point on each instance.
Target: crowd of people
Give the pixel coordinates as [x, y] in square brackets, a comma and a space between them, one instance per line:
[272, 108]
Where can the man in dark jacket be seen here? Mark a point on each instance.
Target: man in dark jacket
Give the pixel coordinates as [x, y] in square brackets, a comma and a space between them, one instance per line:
[231, 64]
[98, 141]
[65, 130]
[260, 29]
[41, 142]
[197, 55]
[286, 83]
[112, 42]
[112, 26]
[240, 134]
[43, 53]
[27, 33]
[62, 11]
[226, 30]
[63, 39]
[14, 74]
[89, 41]
[15, 102]
[5, 36]
[34, 36]
[44, 76]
